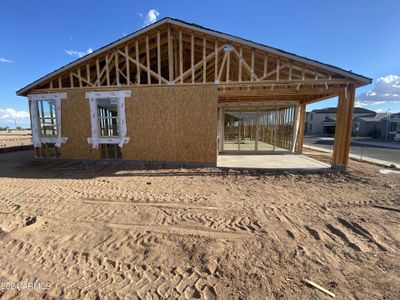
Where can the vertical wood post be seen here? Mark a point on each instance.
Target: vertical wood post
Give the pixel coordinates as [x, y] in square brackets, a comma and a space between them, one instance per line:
[300, 134]
[344, 122]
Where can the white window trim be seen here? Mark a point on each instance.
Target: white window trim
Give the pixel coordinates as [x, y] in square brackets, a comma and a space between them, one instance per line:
[37, 139]
[96, 139]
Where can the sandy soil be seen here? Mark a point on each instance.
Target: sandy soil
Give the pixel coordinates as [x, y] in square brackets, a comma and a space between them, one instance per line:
[15, 138]
[109, 231]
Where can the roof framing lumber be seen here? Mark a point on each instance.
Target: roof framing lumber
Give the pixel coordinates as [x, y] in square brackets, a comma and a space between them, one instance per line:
[189, 54]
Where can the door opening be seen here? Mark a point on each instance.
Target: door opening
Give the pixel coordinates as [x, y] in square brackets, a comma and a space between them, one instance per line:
[257, 129]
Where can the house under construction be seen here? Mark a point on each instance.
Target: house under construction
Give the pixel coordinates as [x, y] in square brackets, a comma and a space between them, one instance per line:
[179, 92]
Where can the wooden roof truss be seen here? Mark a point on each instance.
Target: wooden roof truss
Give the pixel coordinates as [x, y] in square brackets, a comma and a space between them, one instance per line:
[174, 55]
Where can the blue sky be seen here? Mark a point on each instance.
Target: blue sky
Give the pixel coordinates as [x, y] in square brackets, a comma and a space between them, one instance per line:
[363, 36]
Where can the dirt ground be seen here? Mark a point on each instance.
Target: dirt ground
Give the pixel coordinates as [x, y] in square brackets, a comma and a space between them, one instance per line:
[15, 138]
[104, 230]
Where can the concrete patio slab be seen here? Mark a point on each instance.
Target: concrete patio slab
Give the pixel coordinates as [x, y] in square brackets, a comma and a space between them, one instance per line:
[273, 162]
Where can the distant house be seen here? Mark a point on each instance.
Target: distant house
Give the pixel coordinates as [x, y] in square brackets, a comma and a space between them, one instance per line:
[393, 124]
[372, 125]
[323, 121]
[377, 125]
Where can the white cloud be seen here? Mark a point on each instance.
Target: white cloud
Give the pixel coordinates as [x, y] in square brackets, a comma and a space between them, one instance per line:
[10, 113]
[79, 54]
[386, 89]
[358, 103]
[150, 17]
[5, 60]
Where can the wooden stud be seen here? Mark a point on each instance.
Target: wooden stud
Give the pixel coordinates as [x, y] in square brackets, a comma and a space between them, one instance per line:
[148, 60]
[107, 70]
[240, 63]
[278, 62]
[98, 70]
[192, 55]
[51, 84]
[216, 60]
[59, 82]
[158, 57]
[116, 66]
[265, 66]
[175, 52]
[180, 56]
[204, 60]
[79, 77]
[170, 56]
[252, 64]
[71, 79]
[137, 62]
[127, 66]
[88, 72]
[228, 65]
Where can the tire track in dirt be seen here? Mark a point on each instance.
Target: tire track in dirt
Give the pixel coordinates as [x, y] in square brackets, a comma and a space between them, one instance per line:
[93, 276]
[336, 228]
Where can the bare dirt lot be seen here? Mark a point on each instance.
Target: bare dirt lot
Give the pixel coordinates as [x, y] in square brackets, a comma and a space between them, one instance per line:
[110, 231]
[15, 138]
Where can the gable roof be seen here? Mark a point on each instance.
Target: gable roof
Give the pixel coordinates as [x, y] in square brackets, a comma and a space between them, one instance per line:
[362, 80]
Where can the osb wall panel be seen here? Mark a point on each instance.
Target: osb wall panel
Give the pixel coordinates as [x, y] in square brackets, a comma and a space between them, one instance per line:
[150, 117]
[196, 119]
[172, 124]
[75, 124]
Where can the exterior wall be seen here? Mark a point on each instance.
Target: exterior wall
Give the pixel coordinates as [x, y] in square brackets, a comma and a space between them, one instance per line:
[75, 124]
[172, 123]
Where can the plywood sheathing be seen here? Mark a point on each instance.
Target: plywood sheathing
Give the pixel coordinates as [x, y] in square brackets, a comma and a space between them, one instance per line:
[172, 124]
[75, 124]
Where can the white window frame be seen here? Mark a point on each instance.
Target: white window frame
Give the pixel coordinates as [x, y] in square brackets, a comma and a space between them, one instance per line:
[37, 138]
[96, 139]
